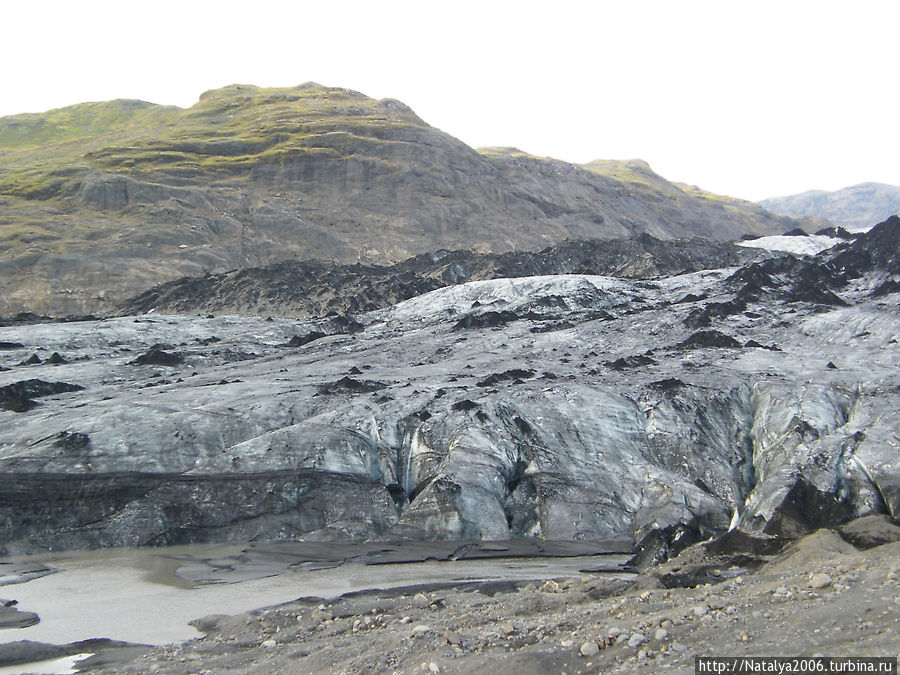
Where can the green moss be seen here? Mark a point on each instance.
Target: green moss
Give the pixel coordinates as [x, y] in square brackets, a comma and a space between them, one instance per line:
[227, 130]
[634, 171]
[503, 151]
[77, 122]
[28, 234]
[35, 184]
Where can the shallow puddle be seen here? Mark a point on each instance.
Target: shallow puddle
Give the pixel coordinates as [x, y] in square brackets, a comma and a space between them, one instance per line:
[137, 595]
[63, 666]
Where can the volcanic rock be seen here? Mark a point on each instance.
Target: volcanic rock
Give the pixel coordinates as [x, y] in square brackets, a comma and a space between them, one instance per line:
[708, 338]
[349, 385]
[300, 340]
[870, 531]
[157, 356]
[316, 289]
[486, 320]
[18, 397]
[512, 374]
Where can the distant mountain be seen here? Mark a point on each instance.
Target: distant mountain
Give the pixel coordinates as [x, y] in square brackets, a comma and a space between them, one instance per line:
[100, 201]
[855, 207]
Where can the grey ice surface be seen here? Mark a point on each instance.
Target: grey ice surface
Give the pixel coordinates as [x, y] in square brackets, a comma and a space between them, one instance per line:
[400, 431]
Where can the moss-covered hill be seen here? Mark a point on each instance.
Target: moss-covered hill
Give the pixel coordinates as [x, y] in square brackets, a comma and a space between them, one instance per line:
[227, 133]
[99, 201]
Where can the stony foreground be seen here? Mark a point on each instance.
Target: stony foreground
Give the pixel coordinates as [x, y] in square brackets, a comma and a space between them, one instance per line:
[819, 597]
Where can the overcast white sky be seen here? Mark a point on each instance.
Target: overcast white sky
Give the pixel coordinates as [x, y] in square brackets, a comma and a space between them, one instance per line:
[751, 99]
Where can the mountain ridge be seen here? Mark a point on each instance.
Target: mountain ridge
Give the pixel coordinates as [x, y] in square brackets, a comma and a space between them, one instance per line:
[855, 207]
[101, 201]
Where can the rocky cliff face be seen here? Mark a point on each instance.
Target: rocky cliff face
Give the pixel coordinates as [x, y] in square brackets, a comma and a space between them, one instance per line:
[855, 207]
[99, 202]
[559, 406]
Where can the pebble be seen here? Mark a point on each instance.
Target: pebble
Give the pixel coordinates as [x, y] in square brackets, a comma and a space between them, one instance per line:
[406, 619]
[549, 586]
[700, 610]
[421, 629]
[661, 634]
[268, 644]
[321, 615]
[452, 637]
[507, 629]
[434, 668]
[820, 580]
[421, 600]
[636, 640]
[589, 648]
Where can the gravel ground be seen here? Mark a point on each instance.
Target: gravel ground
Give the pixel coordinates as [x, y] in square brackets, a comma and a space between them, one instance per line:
[818, 597]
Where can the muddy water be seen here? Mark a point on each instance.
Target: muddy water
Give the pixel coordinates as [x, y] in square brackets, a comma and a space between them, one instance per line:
[63, 666]
[137, 595]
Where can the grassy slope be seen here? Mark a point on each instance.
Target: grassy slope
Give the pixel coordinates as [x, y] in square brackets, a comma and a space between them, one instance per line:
[642, 181]
[648, 185]
[638, 175]
[251, 176]
[227, 131]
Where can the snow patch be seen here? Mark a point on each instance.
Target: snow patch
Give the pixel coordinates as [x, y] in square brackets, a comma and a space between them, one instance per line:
[808, 245]
[515, 293]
